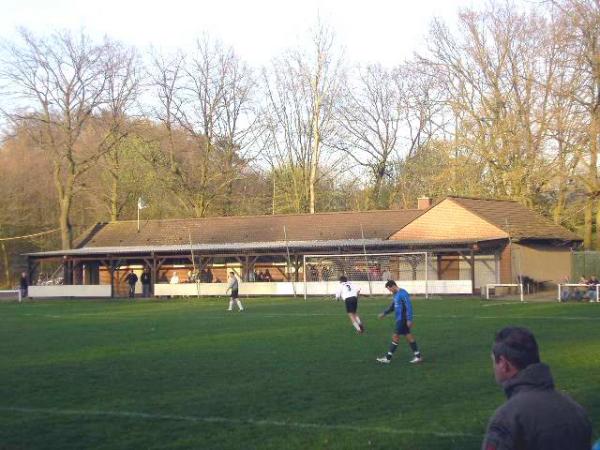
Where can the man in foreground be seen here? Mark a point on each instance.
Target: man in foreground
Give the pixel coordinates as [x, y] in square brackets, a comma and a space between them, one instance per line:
[349, 293]
[402, 306]
[535, 416]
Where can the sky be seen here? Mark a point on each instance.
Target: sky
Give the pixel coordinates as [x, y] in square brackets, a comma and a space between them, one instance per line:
[386, 31]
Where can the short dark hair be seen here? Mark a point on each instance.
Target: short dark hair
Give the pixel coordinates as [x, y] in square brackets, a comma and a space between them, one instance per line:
[517, 345]
[343, 279]
[390, 283]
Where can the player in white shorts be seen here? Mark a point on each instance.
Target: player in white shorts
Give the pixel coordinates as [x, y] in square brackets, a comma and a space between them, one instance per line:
[349, 293]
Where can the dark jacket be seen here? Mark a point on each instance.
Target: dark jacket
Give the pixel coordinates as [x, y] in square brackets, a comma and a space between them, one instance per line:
[536, 416]
[145, 279]
[131, 278]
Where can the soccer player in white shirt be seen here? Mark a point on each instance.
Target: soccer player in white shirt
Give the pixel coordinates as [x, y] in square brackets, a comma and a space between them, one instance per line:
[349, 293]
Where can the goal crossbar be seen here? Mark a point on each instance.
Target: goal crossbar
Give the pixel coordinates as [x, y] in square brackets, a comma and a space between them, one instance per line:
[563, 285]
[495, 285]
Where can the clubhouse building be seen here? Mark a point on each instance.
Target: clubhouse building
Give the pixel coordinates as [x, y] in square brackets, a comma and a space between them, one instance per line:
[469, 243]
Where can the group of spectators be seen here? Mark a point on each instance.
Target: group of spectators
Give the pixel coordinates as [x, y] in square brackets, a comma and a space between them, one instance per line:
[261, 276]
[202, 276]
[131, 278]
[586, 290]
[371, 273]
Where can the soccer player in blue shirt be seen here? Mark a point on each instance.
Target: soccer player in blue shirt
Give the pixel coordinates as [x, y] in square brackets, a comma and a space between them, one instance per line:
[404, 320]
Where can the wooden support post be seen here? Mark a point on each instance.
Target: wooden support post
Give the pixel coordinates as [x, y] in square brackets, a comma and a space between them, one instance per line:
[153, 273]
[111, 272]
[296, 269]
[472, 271]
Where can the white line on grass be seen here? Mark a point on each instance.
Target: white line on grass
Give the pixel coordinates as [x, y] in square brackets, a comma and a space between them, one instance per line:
[502, 303]
[538, 318]
[225, 420]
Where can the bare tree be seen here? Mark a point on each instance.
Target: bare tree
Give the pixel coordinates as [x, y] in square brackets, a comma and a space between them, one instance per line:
[580, 39]
[301, 91]
[114, 124]
[58, 82]
[387, 115]
[499, 79]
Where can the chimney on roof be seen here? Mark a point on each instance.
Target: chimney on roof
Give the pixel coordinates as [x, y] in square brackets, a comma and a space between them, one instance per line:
[424, 202]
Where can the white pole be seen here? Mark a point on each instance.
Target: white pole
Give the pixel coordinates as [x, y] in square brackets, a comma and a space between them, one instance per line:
[426, 275]
[597, 293]
[487, 291]
[559, 296]
[304, 274]
[521, 287]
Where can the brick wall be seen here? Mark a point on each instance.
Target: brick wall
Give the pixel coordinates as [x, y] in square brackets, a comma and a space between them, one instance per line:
[449, 220]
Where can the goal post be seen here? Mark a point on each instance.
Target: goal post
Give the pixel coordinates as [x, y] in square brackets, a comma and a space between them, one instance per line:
[10, 294]
[495, 286]
[369, 271]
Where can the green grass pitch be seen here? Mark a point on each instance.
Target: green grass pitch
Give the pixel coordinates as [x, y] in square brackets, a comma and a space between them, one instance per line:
[284, 374]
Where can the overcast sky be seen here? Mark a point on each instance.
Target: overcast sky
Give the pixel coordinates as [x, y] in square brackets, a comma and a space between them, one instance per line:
[386, 31]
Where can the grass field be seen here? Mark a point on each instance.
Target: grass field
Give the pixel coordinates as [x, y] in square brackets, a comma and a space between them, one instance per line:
[284, 374]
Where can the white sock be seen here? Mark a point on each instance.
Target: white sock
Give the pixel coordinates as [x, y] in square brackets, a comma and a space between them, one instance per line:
[230, 305]
[358, 321]
[356, 325]
[240, 305]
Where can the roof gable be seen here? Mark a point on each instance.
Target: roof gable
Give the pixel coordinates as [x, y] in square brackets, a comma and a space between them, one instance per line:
[448, 218]
[516, 220]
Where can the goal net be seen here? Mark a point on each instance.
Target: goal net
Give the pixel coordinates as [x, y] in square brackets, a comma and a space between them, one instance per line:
[369, 271]
[10, 295]
[504, 292]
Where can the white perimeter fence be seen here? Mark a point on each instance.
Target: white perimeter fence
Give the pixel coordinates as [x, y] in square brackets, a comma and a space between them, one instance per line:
[311, 288]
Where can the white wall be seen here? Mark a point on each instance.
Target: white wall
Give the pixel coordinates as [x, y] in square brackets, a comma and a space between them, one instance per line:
[312, 288]
[86, 290]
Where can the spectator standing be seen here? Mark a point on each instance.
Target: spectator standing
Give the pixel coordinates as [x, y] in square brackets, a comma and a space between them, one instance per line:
[386, 275]
[146, 279]
[23, 284]
[131, 280]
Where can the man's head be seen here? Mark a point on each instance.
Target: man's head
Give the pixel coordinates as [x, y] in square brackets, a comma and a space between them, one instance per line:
[391, 286]
[514, 349]
[343, 279]
[232, 274]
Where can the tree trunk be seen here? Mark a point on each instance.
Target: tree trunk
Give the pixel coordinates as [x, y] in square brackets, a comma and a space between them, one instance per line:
[65, 198]
[6, 263]
[588, 218]
[114, 200]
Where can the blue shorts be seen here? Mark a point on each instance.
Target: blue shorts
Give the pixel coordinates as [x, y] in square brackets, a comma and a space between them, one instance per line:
[401, 328]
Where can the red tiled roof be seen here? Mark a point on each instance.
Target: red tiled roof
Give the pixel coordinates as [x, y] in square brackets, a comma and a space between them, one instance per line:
[515, 219]
[242, 229]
